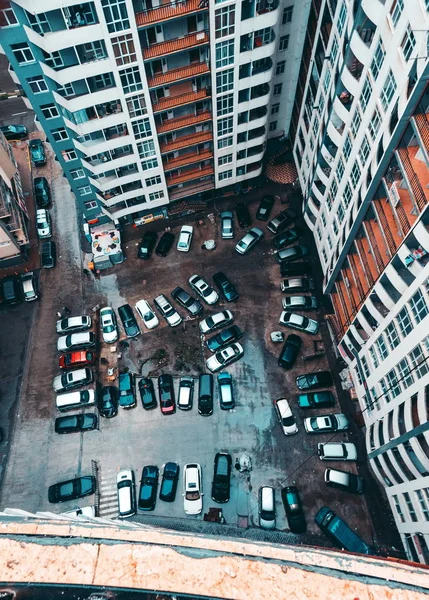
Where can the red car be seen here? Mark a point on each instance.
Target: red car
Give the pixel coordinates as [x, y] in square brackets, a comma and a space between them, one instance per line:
[80, 358]
[166, 394]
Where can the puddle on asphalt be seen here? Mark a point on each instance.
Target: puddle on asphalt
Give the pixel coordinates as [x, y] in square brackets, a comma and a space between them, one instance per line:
[108, 285]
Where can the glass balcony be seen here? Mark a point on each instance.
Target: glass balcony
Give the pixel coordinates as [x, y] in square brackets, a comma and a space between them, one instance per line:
[104, 157]
[251, 9]
[256, 39]
[99, 111]
[169, 10]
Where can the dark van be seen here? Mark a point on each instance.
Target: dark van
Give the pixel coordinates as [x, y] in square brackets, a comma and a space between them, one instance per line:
[11, 290]
[290, 351]
[340, 532]
[205, 395]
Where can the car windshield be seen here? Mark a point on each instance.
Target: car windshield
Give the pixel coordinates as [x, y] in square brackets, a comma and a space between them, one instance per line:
[210, 322]
[314, 423]
[243, 243]
[206, 290]
[109, 328]
[148, 316]
[288, 421]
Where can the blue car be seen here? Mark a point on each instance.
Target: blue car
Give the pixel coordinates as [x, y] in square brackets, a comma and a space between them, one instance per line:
[37, 152]
[127, 398]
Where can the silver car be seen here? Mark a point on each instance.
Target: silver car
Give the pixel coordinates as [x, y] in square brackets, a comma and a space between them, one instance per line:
[299, 322]
[251, 238]
[300, 302]
[227, 225]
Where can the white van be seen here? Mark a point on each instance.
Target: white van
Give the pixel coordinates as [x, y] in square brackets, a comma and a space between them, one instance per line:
[126, 493]
[186, 392]
[75, 400]
[29, 287]
[267, 507]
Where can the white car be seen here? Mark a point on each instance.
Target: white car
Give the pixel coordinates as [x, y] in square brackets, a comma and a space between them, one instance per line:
[224, 357]
[147, 315]
[251, 238]
[43, 223]
[215, 321]
[126, 493]
[337, 451]
[76, 341]
[227, 225]
[192, 489]
[72, 379]
[285, 416]
[203, 289]
[72, 324]
[169, 313]
[185, 238]
[299, 322]
[326, 423]
[109, 327]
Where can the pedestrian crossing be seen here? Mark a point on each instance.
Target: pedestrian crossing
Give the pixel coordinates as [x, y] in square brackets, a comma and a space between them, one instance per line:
[108, 503]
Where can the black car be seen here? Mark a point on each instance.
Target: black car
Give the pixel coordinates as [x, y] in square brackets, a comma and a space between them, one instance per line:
[221, 477]
[166, 394]
[288, 269]
[11, 291]
[224, 338]
[170, 478]
[164, 244]
[76, 423]
[147, 245]
[290, 351]
[293, 509]
[147, 393]
[265, 208]
[148, 487]
[37, 152]
[72, 489]
[191, 304]
[225, 287]
[108, 401]
[49, 255]
[14, 132]
[243, 215]
[310, 381]
[129, 322]
[127, 397]
[42, 192]
[288, 237]
[205, 394]
[323, 399]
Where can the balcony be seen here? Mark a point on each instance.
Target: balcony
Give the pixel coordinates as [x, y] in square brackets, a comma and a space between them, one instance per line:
[175, 75]
[193, 40]
[186, 141]
[172, 101]
[190, 190]
[190, 175]
[187, 159]
[185, 121]
[169, 10]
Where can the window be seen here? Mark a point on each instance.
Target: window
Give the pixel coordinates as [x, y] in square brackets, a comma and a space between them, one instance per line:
[224, 160]
[325, 256]
[277, 90]
[408, 43]
[385, 394]
[330, 242]
[342, 19]
[355, 174]
[374, 357]
[366, 94]
[155, 180]
[131, 80]
[410, 506]
[284, 42]
[404, 322]
[287, 15]
[281, 65]
[273, 125]
[418, 362]
[224, 81]
[398, 508]
[136, 106]
[94, 51]
[54, 60]
[347, 147]
[334, 51]
[85, 190]
[225, 104]
[49, 111]
[59, 135]
[365, 367]
[423, 503]
[405, 374]
[37, 84]
[68, 155]
[22, 53]
[225, 142]
[141, 129]
[388, 90]
[225, 175]
[374, 124]
[340, 170]
[124, 49]
[91, 205]
[335, 227]
[396, 11]
[66, 90]
[224, 21]
[156, 195]
[319, 233]
[364, 150]
[327, 80]
[224, 53]
[77, 174]
[275, 108]
[418, 306]
[149, 164]
[381, 347]
[38, 23]
[392, 335]
[377, 61]
[392, 379]
[7, 17]
[340, 212]
[104, 80]
[115, 13]
[146, 148]
[355, 124]
[224, 126]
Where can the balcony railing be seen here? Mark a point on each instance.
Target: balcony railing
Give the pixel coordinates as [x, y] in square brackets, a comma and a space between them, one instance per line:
[186, 121]
[187, 159]
[186, 141]
[192, 40]
[170, 11]
[190, 190]
[190, 175]
[185, 72]
[173, 101]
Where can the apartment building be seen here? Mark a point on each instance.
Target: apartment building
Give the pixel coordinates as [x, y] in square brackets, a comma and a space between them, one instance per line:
[360, 131]
[145, 102]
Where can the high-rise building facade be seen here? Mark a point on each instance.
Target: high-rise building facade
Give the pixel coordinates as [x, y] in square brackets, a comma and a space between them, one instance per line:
[360, 131]
[147, 102]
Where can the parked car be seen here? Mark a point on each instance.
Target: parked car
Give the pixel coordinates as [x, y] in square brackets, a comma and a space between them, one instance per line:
[147, 393]
[326, 423]
[76, 423]
[251, 238]
[75, 400]
[226, 394]
[290, 254]
[129, 322]
[165, 244]
[243, 215]
[72, 489]
[192, 305]
[148, 487]
[337, 451]
[285, 416]
[37, 152]
[11, 290]
[293, 509]
[290, 351]
[49, 255]
[147, 245]
[267, 507]
[288, 269]
[166, 394]
[202, 288]
[310, 381]
[147, 314]
[297, 284]
[216, 321]
[185, 238]
[73, 324]
[108, 401]
[300, 303]
[224, 338]
[343, 480]
[170, 479]
[72, 379]
[14, 132]
[316, 400]
[221, 477]
[192, 489]
[288, 237]
[225, 357]
[225, 287]
[125, 486]
[76, 341]
[295, 321]
[169, 313]
[205, 394]
[42, 192]
[79, 358]
[186, 393]
[109, 327]
[265, 207]
[127, 398]
[341, 534]
[43, 223]
[29, 287]
[227, 225]
[281, 221]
